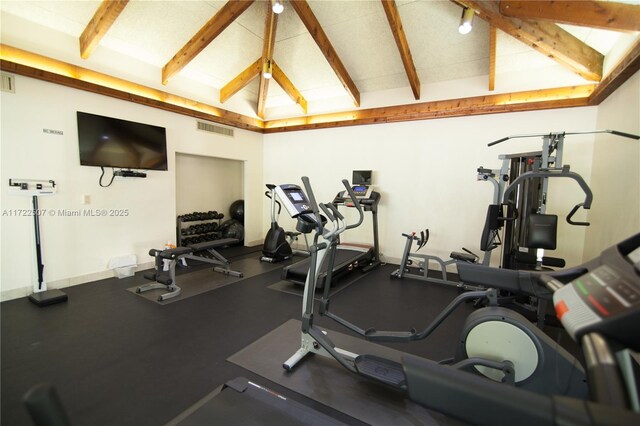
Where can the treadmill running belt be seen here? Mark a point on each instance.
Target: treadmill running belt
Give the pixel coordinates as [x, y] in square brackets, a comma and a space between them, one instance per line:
[297, 273]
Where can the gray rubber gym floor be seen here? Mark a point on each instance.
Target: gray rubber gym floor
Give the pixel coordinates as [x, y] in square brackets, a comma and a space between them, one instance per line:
[117, 359]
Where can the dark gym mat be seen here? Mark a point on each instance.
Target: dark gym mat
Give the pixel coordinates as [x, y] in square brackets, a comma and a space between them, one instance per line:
[245, 403]
[298, 290]
[325, 381]
[204, 280]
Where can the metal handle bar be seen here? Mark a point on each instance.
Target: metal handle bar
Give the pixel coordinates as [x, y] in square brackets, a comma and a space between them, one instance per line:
[552, 174]
[328, 234]
[613, 132]
[314, 204]
[356, 204]
[572, 212]
[335, 211]
[328, 212]
[268, 194]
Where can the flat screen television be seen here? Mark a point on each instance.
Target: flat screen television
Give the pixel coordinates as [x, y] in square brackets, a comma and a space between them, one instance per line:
[111, 142]
[361, 177]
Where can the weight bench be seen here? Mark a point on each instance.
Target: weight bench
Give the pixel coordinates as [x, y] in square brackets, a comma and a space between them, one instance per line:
[425, 261]
[166, 279]
[222, 264]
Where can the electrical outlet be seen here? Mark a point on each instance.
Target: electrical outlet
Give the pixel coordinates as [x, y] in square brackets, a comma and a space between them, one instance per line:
[86, 199]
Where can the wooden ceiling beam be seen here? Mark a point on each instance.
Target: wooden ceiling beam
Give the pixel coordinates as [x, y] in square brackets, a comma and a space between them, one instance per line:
[284, 82]
[315, 29]
[625, 69]
[270, 27]
[492, 57]
[565, 97]
[40, 67]
[393, 16]
[547, 38]
[587, 13]
[43, 68]
[105, 16]
[212, 29]
[241, 80]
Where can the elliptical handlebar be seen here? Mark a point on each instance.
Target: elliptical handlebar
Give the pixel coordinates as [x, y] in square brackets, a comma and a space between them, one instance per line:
[328, 212]
[328, 234]
[356, 204]
[331, 211]
[314, 204]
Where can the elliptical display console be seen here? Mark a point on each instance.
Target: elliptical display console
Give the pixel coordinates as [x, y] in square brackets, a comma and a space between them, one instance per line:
[606, 299]
[294, 199]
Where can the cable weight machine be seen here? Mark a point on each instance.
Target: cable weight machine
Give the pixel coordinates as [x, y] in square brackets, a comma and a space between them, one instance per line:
[522, 185]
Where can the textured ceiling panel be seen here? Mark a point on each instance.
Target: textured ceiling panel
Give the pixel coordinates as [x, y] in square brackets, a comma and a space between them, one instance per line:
[162, 27]
[154, 31]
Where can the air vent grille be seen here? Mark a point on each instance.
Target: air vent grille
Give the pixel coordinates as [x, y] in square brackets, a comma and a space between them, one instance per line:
[8, 83]
[213, 128]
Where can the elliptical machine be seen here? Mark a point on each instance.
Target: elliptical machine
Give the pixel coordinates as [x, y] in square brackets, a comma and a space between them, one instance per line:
[276, 248]
[520, 354]
[278, 242]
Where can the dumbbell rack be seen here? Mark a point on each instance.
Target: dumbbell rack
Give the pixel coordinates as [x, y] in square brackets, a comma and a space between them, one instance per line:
[202, 227]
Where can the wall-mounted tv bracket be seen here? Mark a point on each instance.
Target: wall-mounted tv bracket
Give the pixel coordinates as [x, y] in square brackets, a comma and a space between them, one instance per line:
[129, 173]
[37, 188]
[125, 173]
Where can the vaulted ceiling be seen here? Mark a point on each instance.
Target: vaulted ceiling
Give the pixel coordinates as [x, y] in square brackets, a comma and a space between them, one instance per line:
[332, 62]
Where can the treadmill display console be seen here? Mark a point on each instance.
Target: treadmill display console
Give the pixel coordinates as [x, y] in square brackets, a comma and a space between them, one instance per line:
[360, 190]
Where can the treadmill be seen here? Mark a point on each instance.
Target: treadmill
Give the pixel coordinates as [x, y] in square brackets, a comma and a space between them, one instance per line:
[349, 257]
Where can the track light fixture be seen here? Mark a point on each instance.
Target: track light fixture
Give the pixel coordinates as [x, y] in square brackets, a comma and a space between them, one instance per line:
[466, 20]
[267, 69]
[277, 6]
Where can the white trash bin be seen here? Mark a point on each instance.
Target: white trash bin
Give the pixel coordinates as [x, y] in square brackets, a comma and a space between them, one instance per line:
[124, 266]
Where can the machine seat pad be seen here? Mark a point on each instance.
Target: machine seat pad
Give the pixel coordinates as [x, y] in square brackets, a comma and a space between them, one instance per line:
[465, 257]
[213, 244]
[175, 252]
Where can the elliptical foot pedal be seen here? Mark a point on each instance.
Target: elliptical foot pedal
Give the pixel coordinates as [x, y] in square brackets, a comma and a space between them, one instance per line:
[381, 369]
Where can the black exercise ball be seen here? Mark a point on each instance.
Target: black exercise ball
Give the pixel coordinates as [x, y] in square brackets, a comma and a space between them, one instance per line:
[232, 228]
[236, 211]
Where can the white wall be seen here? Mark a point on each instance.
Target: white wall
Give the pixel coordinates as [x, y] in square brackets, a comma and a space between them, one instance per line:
[426, 173]
[77, 249]
[616, 170]
[207, 183]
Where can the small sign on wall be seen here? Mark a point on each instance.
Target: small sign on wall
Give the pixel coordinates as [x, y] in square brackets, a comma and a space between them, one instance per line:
[53, 132]
[8, 82]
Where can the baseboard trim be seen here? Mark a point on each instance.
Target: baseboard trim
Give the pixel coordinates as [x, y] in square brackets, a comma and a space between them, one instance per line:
[17, 293]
